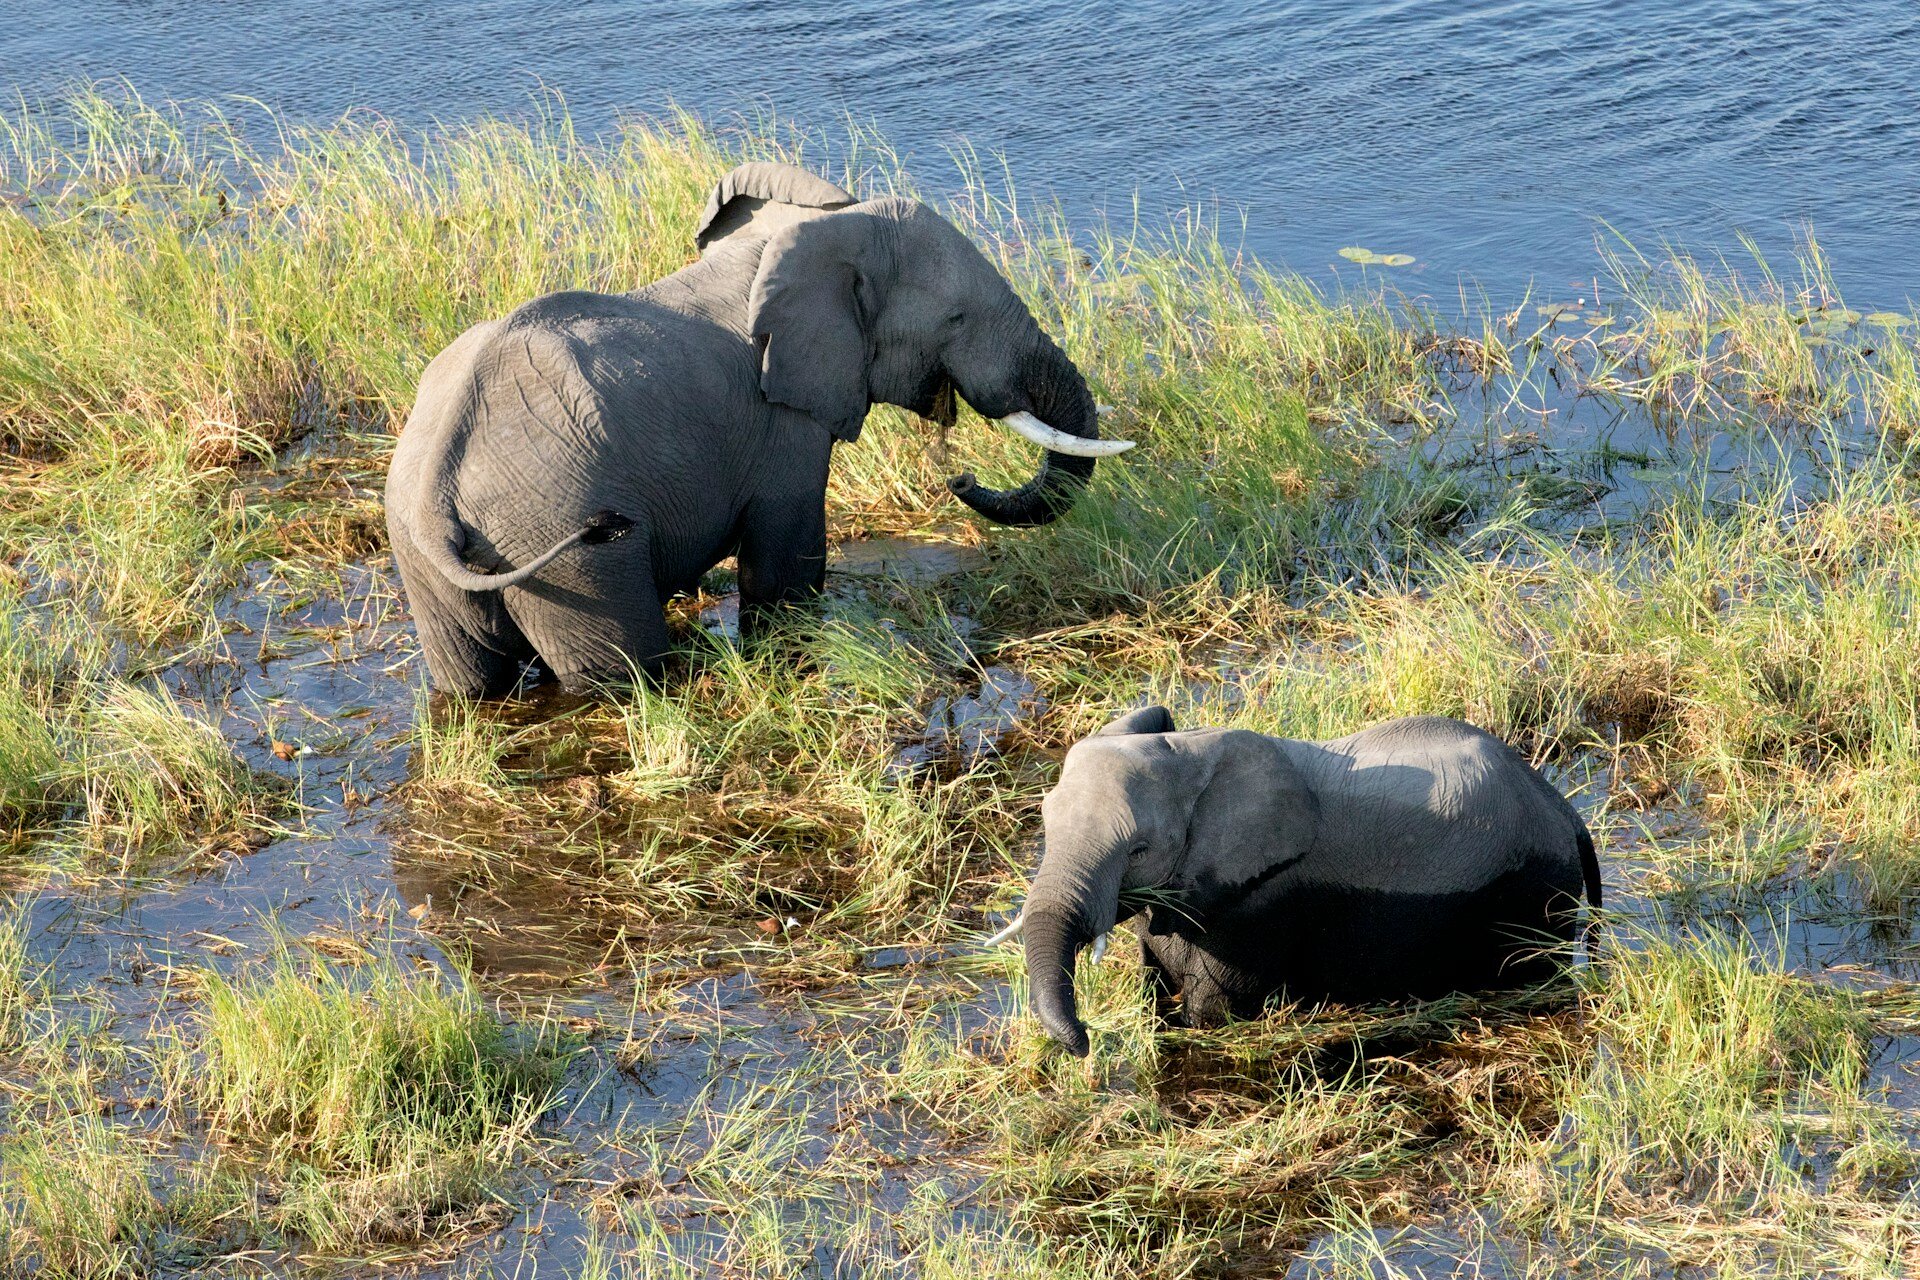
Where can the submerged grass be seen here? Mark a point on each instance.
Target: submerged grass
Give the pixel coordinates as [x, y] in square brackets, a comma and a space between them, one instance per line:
[205, 345]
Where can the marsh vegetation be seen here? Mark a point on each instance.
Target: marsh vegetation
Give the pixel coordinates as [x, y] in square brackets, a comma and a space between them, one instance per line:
[306, 971]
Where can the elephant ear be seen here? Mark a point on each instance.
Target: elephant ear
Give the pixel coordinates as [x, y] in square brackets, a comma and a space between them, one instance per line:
[1139, 720]
[1254, 815]
[818, 285]
[760, 198]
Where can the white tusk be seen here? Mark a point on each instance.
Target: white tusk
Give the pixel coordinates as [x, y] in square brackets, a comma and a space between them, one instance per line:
[1007, 934]
[1099, 947]
[1059, 441]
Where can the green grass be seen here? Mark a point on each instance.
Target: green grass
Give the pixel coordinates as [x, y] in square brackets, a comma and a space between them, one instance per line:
[1727, 1118]
[206, 344]
[152, 776]
[80, 1200]
[380, 1101]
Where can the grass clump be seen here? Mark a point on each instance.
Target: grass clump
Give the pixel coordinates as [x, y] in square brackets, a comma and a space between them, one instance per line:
[152, 777]
[1726, 1120]
[30, 747]
[117, 775]
[79, 1199]
[22, 982]
[1711, 1055]
[1702, 342]
[382, 1101]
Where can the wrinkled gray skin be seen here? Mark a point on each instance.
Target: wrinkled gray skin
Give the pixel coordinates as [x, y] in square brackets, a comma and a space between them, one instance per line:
[1415, 858]
[568, 468]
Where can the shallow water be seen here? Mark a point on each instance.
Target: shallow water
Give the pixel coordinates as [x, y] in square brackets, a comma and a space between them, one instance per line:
[1488, 140]
[328, 671]
[328, 674]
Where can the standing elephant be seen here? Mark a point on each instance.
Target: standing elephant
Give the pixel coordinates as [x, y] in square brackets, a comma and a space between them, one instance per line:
[568, 468]
[1415, 858]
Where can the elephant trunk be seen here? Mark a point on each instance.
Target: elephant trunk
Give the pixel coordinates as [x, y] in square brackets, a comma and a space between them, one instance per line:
[1053, 941]
[1058, 396]
[1075, 898]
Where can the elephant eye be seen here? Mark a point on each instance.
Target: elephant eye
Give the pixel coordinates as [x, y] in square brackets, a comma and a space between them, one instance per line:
[957, 319]
[1138, 851]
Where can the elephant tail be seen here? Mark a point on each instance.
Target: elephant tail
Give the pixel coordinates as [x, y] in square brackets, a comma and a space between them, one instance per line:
[1589, 864]
[1589, 872]
[444, 551]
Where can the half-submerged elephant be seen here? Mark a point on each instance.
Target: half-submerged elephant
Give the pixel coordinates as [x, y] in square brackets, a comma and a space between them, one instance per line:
[568, 468]
[1415, 858]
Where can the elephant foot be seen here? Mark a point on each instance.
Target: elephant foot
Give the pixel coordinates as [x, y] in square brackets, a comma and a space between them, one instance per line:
[1204, 1003]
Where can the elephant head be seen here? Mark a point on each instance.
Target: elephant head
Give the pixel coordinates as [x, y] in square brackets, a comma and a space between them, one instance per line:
[1193, 820]
[886, 302]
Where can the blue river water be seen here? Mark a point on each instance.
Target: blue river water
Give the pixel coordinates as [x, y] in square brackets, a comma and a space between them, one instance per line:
[1493, 140]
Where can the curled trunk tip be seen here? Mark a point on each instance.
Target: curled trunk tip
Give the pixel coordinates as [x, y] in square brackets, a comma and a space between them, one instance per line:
[1058, 399]
[1052, 943]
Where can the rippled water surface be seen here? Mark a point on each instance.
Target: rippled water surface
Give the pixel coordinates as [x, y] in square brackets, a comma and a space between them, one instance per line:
[1485, 139]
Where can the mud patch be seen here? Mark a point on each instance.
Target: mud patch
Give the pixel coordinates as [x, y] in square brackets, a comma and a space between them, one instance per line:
[966, 728]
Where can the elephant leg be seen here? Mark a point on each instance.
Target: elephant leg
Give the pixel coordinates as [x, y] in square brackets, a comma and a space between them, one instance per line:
[1166, 986]
[1531, 923]
[1188, 989]
[471, 644]
[586, 650]
[598, 633]
[1205, 1001]
[783, 541]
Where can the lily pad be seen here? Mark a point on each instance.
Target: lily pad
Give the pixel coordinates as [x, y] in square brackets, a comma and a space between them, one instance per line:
[1889, 319]
[1558, 311]
[1368, 258]
[1598, 319]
